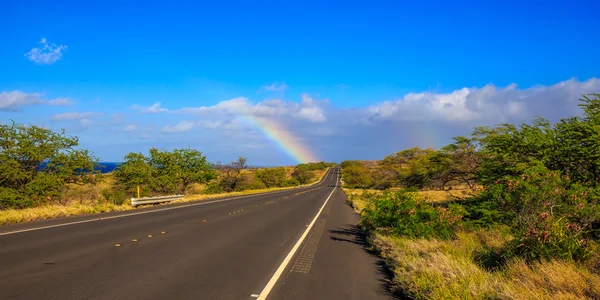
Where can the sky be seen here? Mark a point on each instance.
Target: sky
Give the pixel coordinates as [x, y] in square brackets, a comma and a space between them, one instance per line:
[286, 82]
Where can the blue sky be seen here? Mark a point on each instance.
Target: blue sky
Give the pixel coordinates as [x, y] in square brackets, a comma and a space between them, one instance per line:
[347, 79]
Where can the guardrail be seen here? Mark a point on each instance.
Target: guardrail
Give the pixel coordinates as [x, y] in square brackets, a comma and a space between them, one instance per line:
[150, 200]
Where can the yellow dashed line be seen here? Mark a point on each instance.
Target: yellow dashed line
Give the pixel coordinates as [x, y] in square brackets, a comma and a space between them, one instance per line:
[149, 235]
[117, 245]
[163, 232]
[134, 240]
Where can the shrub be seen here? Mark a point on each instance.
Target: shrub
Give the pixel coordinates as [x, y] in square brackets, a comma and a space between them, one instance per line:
[303, 176]
[272, 177]
[250, 183]
[117, 197]
[401, 213]
[552, 216]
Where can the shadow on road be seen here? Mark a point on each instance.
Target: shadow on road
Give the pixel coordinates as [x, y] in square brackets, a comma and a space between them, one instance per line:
[355, 235]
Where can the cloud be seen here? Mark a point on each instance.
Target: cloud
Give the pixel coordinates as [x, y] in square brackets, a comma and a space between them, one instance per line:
[210, 124]
[275, 87]
[47, 54]
[153, 109]
[486, 104]
[71, 116]
[182, 126]
[14, 101]
[309, 109]
[60, 102]
[424, 119]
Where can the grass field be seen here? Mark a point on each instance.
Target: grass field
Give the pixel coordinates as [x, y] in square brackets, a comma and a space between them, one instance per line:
[454, 269]
[88, 200]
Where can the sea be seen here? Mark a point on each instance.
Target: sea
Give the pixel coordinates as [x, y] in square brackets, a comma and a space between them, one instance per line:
[107, 167]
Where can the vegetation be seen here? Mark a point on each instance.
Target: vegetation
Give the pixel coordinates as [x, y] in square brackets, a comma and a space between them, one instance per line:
[44, 175]
[37, 166]
[162, 172]
[534, 211]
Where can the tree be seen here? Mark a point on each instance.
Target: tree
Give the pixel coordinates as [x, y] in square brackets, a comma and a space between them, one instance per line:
[36, 164]
[231, 176]
[272, 177]
[164, 172]
[133, 172]
[303, 175]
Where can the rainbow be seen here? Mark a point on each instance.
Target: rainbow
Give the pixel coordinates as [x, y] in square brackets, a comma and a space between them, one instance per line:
[285, 139]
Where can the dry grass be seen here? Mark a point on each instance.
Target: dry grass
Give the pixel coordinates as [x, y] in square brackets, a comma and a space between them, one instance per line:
[88, 200]
[434, 269]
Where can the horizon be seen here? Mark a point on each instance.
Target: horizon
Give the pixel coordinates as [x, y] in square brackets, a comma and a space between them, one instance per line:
[283, 83]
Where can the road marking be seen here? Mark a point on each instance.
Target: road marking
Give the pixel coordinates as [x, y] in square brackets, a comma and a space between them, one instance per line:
[134, 240]
[254, 295]
[265, 292]
[151, 211]
[117, 245]
[149, 235]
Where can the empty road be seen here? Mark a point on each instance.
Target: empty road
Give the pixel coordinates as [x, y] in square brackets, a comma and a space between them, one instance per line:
[295, 244]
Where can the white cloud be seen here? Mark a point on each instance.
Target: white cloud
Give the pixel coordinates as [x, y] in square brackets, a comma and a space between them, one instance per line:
[210, 124]
[72, 116]
[153, 109]
[309, 109]
[129, 128]
[489, 103]
[15, 100]
[60, 102]
[182, 126]
[47, 54]
[275, 87]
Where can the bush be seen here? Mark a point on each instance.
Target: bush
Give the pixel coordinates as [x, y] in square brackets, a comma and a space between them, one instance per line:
[292, 182]
[117, 197]
[213, 188]
[356, 176]
[401, 213]
[552, 216]
[250, 184]
[303, 176]
[272, 177]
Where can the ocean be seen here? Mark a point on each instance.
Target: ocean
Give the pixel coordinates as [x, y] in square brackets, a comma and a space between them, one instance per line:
[107, 167]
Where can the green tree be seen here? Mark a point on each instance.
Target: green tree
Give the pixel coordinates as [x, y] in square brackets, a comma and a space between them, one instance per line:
[303, 175]
[272, 177]
[36, 164]
[133, 172]
[163, 172]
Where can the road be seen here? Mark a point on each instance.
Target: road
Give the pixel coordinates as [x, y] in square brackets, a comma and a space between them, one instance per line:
[294, 244]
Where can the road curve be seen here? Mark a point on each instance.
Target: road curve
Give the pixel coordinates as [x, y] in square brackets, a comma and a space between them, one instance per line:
[220, 249]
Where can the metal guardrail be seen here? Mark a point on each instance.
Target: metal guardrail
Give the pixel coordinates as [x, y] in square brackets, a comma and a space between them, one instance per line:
[150, 200]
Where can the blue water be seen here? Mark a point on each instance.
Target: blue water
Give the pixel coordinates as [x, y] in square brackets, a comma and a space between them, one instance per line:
[107, 167]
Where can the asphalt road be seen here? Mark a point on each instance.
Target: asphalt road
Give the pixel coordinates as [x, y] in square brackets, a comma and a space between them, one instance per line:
[295, 244]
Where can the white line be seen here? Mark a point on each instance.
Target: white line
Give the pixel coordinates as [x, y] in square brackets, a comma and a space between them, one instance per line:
[151, 211]
[265, 292]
